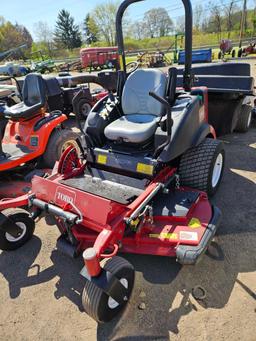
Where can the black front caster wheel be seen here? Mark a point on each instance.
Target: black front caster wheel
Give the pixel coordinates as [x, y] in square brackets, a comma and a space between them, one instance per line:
[27, 225]
[97, 303]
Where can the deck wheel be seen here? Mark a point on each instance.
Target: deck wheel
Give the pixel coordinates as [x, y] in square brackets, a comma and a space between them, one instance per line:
[23, 219]
[96, 302]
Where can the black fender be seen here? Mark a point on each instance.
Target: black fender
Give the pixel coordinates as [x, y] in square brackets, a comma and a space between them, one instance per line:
[203, 132]
[189, 129]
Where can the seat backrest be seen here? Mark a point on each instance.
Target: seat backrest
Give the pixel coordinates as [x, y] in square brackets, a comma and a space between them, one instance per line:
[34, 90]
[136, 99]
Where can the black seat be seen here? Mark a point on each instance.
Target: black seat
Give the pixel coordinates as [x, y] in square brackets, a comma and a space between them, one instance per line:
[34, 98]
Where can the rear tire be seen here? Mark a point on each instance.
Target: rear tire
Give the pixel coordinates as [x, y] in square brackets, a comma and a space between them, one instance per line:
[233, 53]
[96, 302]
[58, 142]
[84, 108]
[201, 167]
[23, 219]
[240, 52]
[244, 119]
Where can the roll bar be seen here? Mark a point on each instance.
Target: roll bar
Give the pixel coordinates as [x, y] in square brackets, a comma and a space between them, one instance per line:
[187, 76]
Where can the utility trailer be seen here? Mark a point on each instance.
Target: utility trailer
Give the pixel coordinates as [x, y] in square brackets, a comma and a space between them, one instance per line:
[230, 94]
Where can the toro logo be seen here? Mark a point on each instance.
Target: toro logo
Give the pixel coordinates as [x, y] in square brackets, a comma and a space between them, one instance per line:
[63, 195]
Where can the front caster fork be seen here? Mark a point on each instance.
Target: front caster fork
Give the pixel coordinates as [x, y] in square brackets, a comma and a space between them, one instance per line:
[103, 279]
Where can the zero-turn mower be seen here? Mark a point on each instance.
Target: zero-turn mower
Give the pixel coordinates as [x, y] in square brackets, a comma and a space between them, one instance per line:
[141, 186]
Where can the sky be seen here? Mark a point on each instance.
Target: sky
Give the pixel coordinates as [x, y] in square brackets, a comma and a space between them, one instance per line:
[28, 12]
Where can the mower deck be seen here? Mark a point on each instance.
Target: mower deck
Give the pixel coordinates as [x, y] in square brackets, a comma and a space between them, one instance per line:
[177, 219]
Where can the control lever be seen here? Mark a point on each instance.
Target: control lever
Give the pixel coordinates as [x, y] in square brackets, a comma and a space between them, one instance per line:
[168, 110]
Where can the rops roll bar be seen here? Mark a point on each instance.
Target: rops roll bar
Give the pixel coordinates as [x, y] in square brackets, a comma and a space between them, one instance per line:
[187, 77]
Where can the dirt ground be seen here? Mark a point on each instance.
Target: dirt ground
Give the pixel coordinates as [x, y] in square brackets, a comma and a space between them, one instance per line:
[40, 289]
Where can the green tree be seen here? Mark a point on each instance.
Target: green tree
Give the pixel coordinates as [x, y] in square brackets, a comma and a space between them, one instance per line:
[67, 33]
[157, 22]
[25, 35]
[105, 16]
[12, 36]
[91, 30]
[44, 37]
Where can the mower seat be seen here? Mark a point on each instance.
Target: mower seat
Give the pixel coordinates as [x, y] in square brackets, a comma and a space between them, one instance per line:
[141, 112]
[34, 98]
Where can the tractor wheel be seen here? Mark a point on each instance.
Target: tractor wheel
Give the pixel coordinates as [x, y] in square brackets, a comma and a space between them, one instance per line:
[239, 53]
[201, 167]
[23, 219]
[220, 55]
[233, 53]
[96, 302]
[59, 140]
[244, 119]
[84, 108]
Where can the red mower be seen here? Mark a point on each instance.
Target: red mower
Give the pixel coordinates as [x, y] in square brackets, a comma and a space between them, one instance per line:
[30, 136]
[140, 186]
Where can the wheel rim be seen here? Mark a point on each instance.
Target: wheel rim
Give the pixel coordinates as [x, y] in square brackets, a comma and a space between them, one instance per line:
[249, 120]
[69, 143]
[85, 109]
[112, 304]
[217, 169]
[12, 239]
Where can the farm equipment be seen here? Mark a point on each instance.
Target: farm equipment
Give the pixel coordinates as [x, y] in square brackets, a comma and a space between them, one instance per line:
[16, 50]
[152, 59]
[198, 56]
[30, 137]
[71, 66]
[226, 48]
[95, 58]
[61, 90]
[140, 186]
[42, 65]
[176, 46]
[250, 49]
[60, 97]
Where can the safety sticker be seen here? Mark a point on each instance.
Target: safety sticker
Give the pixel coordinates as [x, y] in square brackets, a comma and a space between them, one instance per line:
[194, 223]
[164, 235]
[121, 62]
[144, 168]
[102, 159]
[186, 235]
